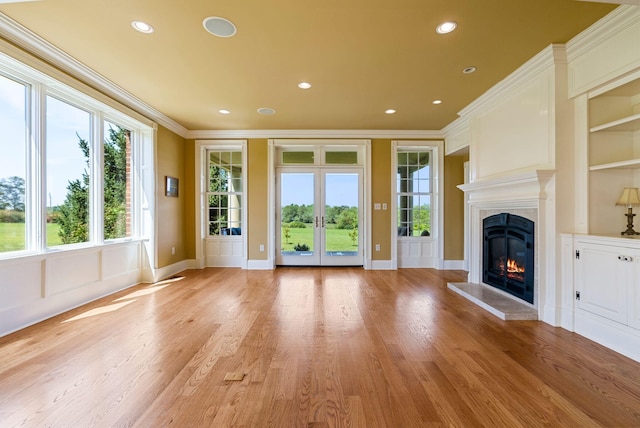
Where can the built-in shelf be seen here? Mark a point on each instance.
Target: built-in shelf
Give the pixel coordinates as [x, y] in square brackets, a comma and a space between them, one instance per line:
[627, 164]
[629, 123]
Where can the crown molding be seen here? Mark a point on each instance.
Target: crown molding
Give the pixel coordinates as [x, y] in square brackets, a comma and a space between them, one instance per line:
[314, 133]
[35, 45]
[611, 24]
[545, 59]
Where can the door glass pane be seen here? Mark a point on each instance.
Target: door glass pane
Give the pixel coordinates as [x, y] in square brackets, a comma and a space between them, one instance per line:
[297, 215]
[13, 173]
[68, 187]
[341, 214]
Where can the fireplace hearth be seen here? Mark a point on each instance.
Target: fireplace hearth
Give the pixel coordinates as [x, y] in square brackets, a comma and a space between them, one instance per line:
[508, 254]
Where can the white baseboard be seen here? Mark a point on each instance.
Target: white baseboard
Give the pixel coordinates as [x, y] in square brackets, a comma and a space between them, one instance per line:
[260, 265]
[382, 265]
[453, 265]
[170, 270]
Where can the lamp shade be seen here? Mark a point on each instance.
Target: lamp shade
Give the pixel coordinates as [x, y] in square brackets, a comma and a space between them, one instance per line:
[629, 197]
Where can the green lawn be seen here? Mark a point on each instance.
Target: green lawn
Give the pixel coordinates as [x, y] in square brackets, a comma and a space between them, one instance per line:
[337, 239]
[12, 236]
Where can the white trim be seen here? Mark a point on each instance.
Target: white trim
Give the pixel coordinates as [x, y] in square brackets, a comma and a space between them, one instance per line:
[314, 133]
[595, 34]
[454, 265]
[382, 265]
[548, 57]
[170, 270]
[260, 265]
[36, 45]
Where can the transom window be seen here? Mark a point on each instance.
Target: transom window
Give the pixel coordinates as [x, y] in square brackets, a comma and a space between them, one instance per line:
[414, 191]
[224, 193]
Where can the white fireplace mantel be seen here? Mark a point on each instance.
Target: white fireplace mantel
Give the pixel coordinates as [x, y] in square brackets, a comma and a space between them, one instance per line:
[529, 193]
[511, 189]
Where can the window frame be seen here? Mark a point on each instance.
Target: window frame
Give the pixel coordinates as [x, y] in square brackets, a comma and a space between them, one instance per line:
[39, 86]
[431, 193]
[242, 193]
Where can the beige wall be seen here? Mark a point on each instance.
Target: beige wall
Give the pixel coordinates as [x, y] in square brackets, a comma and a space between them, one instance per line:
[170, 216]
[257, 198]
[189, 199]
[453, 207]
[183, 164]
[380, 193]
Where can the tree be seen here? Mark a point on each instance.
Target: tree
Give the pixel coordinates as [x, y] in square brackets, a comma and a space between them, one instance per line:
[115, 183]
[348, 219]
[12, 194]
[74, 212]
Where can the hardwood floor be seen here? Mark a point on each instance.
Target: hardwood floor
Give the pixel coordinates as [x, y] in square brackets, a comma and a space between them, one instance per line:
[318, 348]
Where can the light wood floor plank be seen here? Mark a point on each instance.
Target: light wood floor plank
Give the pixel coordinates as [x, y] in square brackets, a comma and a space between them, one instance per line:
[330, 347]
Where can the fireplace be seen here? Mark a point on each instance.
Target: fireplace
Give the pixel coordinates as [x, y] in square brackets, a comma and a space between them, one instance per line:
[508, 254]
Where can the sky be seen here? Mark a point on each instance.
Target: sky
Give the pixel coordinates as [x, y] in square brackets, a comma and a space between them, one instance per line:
[340, 189]
[65, 160]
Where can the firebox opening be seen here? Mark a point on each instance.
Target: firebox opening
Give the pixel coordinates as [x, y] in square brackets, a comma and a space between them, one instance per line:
[508, 254]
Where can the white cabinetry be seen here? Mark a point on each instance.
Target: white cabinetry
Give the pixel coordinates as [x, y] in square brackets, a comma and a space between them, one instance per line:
[607, 291]
[614, 153]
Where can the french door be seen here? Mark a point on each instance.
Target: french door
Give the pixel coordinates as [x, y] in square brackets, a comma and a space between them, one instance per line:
[319, 216]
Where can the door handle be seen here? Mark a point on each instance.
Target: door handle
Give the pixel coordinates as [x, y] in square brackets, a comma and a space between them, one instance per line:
[316, 221]
[322, 221]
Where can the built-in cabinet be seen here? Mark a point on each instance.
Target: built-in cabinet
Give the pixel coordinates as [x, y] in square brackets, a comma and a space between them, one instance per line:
[608, 275]
[614, 153]
[607, 291]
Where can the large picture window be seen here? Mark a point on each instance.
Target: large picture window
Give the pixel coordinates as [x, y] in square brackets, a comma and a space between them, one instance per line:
[68, 143]
[224, 193]
[69, 174]
[414, 193]
[13, 165]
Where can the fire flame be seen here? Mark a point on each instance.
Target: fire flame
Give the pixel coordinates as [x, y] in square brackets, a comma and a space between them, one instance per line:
[512, 266]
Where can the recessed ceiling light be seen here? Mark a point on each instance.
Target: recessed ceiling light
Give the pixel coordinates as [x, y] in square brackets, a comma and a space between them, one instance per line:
[390, 111]
[220, 27]
[143, 27]
[446, 27]
[469, 70]
[304, 85]
[266, 111]
[436, 102]
[224, 111]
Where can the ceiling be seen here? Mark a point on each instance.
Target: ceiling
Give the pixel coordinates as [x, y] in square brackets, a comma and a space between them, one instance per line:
[362, 57]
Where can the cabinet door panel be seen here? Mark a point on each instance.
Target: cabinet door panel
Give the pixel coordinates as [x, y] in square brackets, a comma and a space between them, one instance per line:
[602, 281]
[634, 293]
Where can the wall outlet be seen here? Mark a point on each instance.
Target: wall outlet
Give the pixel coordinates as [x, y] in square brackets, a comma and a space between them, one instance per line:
[173, 250]
[376, 206]
[384, 206]
[261, 247]
[377, 247]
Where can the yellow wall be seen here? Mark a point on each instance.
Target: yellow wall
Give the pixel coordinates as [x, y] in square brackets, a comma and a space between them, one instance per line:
[257, 202]
[453, 208]
[189, 199]
[170, 216]
[380, 193]
[182, 165]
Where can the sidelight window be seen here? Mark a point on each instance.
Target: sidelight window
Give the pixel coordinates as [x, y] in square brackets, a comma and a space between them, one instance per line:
[224, 193]
[414, 192]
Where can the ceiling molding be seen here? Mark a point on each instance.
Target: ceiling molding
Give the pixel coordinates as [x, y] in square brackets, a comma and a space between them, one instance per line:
[36, 45]
[548, 57]
[620, 18]
[314, 133]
